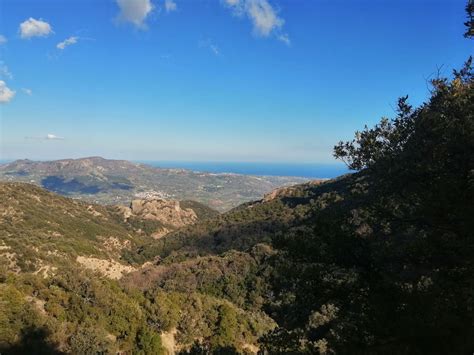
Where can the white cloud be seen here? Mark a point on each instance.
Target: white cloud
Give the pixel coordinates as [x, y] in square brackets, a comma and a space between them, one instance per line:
[67, 42]
[52, 137]
[6, 94]
[3, 39]
[134, 11]
[211, 46]
[264, 17]
[4, 71]
[27, 91]
[285, 39]
[170, 5]
[35, 28]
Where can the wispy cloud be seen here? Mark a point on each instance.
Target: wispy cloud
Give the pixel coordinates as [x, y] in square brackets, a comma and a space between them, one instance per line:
[3, 39]
[4, 71]
[265, 19]
[53, 137]
[170, 6]
[209, 44]
[285, 39]
[48, 137]
[6, 94]
[134, 11]
[35, 28]
[27, 91]
[214, 49]
[67, 42]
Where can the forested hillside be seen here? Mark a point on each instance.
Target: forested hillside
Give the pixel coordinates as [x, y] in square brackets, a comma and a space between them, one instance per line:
[60, 265]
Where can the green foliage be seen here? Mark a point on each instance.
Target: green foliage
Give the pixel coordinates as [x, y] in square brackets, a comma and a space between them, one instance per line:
[15, 314]
[194, 316]
[384, 142]
[88, 340]
[227, 327]
[235, 276]
[148, 343]
[42, 227]
[202, 211]
[75, 312]
[239, 229]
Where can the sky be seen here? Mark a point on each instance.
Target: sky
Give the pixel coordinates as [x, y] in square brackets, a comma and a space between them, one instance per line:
[213, 80]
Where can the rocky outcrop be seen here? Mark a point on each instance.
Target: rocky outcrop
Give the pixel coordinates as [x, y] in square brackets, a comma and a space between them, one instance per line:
[168, 212]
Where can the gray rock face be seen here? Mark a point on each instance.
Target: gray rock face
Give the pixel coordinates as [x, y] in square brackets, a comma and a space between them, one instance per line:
[168, 212]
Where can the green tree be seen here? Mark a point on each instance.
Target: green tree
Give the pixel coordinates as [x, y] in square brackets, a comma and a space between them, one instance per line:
[148, 343]
[227, 328]
[90, 341]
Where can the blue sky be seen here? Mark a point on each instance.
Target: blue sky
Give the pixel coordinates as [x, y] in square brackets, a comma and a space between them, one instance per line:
[223, 80]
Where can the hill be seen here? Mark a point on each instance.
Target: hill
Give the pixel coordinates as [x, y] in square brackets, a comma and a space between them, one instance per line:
[107, 181]
[60, 260]
[38, 226]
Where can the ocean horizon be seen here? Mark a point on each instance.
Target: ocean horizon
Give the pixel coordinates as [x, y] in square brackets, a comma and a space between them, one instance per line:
[305, 170]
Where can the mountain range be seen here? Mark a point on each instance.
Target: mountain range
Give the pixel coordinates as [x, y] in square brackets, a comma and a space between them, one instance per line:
[107, 181]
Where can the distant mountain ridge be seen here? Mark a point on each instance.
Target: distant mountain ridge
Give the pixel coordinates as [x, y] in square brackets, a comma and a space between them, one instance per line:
[109, 181]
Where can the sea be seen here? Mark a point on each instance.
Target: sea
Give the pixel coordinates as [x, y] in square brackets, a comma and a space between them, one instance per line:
[305, 170]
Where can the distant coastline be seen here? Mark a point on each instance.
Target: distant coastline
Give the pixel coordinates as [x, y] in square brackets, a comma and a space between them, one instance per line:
[304, 170]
